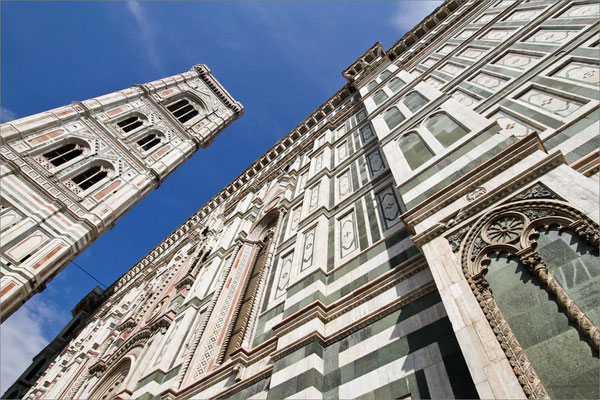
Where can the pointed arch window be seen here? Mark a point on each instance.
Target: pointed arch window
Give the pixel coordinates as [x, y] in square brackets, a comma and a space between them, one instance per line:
[393, 117]
[379, 97]
[64, 153]
[396, 84]
[372, 85]
[183, 110]
[415, 151]
[90, 176]
[249, 298]
[131, 123]
[148, 141]
[445, 129]
[109, 385]
[414, 101]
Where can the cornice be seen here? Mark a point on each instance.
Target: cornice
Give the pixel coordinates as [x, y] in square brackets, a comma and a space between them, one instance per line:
[469, 212]
[498, 163]
[205, 74]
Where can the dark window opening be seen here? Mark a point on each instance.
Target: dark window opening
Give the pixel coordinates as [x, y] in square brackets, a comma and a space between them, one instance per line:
[90, 177]
[63, 154]
[148, 141]
[130, 124]
[25, 258]
[182, 110]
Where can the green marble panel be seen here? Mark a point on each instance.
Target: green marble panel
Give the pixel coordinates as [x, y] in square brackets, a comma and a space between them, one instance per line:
[576, 266]
[563, 361]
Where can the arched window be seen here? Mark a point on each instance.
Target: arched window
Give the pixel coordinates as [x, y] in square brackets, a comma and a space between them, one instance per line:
[182, 110]
[109, 385]
[414, 150]
[372, 85]
[384, 74]
[445, 129]
[241, 320]
[414, 101]
[149, 141]
[396, 84]
[90, 177]
[64, 153]
[379, 97]
[131, 123]
[393, 117]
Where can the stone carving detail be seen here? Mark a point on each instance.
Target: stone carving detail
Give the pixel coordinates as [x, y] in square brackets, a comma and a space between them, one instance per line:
[552, 36]
[536, 266]
[581, 10]
[487, 80]
[505, 229]
[463, 98]
[537, 191]
[512, 229]
[456, 239]
[476, 193]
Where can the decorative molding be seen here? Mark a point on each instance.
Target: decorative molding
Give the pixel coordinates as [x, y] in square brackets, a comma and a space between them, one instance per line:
[511, 229]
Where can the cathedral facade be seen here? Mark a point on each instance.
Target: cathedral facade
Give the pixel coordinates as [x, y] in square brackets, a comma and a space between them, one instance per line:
[429, 231]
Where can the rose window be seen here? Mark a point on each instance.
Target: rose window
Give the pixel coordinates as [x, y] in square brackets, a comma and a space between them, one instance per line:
[505, 229]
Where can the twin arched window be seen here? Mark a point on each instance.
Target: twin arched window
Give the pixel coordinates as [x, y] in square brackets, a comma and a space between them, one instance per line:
[183, 110]
[64, 153]
[131, 123]
[148, 141]
[373, 84]
[384, 75]
[91, 176]
[414, 101]
[442, 127]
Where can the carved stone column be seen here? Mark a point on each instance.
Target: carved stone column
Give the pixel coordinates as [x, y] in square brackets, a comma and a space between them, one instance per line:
[536, 266]
[528, 378]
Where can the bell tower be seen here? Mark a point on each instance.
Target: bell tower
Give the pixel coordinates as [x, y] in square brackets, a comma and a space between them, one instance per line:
[69, 174]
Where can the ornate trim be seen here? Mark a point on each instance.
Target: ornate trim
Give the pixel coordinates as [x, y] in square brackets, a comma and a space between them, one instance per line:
[511, 229]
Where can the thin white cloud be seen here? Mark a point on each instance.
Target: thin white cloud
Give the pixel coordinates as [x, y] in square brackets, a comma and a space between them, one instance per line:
[146, 32]
[7, 115]
[409, 14]
[22, 338]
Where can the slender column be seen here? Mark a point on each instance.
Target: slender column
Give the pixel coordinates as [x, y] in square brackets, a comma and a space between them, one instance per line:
[536, 266]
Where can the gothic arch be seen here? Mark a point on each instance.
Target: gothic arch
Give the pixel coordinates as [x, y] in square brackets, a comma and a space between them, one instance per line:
[113, 380]
[511, 230]
[263, 235]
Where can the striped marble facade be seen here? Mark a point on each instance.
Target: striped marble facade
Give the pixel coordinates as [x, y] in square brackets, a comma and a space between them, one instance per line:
[430, 231]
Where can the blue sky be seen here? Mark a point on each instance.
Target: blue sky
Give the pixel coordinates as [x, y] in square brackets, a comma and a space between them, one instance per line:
[281, 60]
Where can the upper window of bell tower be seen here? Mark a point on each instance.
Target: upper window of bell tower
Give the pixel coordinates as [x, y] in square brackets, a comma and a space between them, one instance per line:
[185, 110]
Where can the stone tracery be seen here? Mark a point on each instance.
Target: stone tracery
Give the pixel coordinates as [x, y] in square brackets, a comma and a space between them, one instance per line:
[511, 229]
